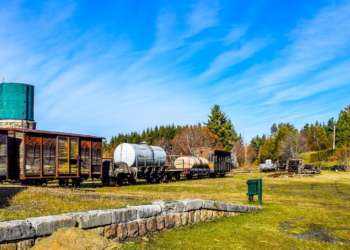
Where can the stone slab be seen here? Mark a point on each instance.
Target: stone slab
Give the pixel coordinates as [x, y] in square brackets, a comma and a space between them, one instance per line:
[191, 205]
[48, 224]
[94, 218]
[15, 230]
[147, 211]
[124, 215]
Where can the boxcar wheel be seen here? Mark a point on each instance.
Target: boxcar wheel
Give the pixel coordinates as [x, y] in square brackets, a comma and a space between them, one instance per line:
[24, 182]
[76, 183]
[63, 182]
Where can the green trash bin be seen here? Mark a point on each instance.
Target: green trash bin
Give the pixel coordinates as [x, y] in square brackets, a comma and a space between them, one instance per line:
[255, 188]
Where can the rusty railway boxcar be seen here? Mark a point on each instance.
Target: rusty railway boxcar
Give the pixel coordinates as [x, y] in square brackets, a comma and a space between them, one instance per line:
[36, 156]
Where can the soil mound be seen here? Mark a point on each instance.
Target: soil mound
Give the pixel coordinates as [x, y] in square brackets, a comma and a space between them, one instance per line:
[75, 239]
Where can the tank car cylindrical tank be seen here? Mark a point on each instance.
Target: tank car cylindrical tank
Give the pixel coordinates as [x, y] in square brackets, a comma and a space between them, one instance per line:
[188, 162]
[139, 155]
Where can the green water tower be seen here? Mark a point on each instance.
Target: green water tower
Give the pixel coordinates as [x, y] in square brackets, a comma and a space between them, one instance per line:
[16, 105]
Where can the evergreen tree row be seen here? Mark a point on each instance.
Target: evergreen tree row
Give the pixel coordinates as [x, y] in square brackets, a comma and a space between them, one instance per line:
[150, 135]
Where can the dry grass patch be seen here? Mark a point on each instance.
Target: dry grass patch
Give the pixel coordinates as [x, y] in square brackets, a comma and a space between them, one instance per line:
[75, 239]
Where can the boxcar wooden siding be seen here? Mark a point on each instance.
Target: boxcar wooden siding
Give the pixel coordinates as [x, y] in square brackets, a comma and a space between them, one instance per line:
[32, 154]
[61, 156]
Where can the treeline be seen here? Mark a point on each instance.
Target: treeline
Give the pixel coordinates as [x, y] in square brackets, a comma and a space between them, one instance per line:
[217, 132]
[285, 141]
[161, 135]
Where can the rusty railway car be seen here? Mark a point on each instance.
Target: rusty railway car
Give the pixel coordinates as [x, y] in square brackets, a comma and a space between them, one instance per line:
[220, 161]
[36, 156]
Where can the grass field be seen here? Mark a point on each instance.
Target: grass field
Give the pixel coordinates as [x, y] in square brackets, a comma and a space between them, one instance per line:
[299, 212]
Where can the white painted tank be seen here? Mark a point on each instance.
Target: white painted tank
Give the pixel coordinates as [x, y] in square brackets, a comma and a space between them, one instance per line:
[139, 155]
[191, 162]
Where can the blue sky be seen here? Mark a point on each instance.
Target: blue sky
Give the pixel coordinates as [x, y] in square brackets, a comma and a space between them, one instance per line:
[127, 65]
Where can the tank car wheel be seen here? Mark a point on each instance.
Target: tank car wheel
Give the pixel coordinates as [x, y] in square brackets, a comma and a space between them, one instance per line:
[165, 179]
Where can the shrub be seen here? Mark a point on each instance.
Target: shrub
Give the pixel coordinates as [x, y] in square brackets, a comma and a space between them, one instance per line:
[323, 155]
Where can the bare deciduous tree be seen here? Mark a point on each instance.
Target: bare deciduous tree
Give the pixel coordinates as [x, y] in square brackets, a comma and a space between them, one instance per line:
[193, 137]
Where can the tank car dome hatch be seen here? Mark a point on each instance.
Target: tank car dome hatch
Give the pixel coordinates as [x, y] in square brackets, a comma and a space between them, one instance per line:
[138, 155]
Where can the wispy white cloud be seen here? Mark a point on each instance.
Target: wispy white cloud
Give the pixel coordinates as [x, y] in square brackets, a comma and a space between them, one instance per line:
[229, 58]
[299, 83]
[235, 35]
[203, 16]
[332, 78]
[313, 43]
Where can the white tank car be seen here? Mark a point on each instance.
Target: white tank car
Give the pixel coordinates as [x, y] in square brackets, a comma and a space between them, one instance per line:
[191, 162]
[139, 155]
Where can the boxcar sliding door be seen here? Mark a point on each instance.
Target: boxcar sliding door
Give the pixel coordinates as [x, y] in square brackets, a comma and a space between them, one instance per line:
[33, 148]
[49, 156]
[96, 157]
[68, 153]
[73, 155]
[62, 155]
[85, 157]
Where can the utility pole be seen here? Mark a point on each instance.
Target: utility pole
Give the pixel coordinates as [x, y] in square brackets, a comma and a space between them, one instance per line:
[245, 147]
[334, 137]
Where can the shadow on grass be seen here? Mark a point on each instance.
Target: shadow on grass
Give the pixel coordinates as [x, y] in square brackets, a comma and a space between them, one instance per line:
[314, 232]
[6, 193]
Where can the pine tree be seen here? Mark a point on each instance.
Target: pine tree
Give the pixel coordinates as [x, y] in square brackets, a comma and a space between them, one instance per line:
[222, 127]
[343, 127]
[329, 127]
[274, 128]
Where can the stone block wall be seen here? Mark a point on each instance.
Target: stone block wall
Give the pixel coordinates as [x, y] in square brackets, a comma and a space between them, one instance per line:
[17, 124]
[118, 224]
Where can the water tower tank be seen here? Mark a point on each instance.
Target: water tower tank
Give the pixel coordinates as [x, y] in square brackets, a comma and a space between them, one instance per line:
[16, 104]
